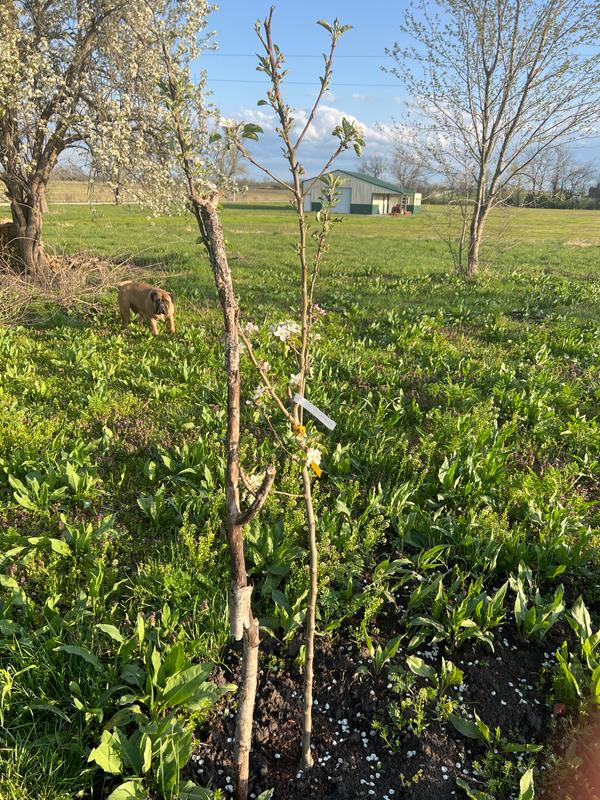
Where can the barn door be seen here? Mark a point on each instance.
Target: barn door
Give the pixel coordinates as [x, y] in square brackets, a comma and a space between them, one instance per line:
[343, 204]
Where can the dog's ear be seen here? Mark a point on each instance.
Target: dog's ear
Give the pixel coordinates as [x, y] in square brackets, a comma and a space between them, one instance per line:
[153, 296]
[171, 295]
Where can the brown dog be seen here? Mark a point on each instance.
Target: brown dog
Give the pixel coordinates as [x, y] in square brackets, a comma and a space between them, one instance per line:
[150, 302]
[8, 235]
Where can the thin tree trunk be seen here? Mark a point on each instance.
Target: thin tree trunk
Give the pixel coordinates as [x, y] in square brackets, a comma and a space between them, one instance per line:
[272, 66]
[243, 624]
[475, 238]
[307, 759]
[242, 621]
[473, 256]
[461, 241]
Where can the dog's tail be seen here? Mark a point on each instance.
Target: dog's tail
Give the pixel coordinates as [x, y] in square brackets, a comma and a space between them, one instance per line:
[123, 284]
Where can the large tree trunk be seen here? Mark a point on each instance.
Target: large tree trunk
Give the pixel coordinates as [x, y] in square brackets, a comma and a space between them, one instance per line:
[44, 201]
[27, 210]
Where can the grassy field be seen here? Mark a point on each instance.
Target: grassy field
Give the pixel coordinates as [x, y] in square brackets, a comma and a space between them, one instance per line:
[457, 510]
[79, 192]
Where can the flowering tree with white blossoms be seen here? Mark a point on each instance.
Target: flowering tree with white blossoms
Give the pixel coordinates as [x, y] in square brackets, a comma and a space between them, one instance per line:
[298, 335]
[79, 74]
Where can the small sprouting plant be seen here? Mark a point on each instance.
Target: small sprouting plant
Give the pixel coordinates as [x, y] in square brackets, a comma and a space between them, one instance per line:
[535, 617]
[499, 776]
[414, 708]
[145, 741]
[455, 614]
[573, 679]
[154, 506]
[477, 729]
[449, 674]
[580, 621]
[288, 616]
[408, 783]
[407, 714]
[380, 655]
[38, 491]
[566, 679]
[496, 772]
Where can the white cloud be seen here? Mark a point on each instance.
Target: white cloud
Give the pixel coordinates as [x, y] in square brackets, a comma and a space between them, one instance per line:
[318, 144]
[364, 98]
[326, 119]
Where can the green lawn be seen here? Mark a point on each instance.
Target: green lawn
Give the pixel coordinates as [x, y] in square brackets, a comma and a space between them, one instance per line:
[467, 443]
[563, 244]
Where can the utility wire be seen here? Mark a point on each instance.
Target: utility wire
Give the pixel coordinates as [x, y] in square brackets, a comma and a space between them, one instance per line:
[288, 55]
[335, 84]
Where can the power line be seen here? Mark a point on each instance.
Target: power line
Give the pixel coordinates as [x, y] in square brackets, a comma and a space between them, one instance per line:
[289, 55]
[335, 84]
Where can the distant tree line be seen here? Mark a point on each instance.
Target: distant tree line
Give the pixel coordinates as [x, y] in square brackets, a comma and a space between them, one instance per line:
[558, 180]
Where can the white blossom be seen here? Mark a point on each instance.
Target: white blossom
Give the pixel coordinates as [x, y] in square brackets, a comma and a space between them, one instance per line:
[283, 330]
[259, 393]
[111, 108]
[313, 456]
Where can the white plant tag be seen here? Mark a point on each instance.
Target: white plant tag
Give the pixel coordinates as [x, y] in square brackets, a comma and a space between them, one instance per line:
[317, 413]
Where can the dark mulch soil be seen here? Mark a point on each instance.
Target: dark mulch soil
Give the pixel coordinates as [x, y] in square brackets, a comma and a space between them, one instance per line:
[351, 760]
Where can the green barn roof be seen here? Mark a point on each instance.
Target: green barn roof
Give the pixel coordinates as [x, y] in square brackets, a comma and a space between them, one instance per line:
[389, 187]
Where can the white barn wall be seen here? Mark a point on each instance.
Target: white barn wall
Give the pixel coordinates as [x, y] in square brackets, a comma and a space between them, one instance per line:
[363, 194]
[361, 191]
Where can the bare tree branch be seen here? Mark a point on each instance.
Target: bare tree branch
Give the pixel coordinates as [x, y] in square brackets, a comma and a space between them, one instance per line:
[494, 86]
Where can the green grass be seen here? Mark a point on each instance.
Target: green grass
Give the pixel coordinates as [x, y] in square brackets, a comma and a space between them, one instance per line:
[563, 243]
[468, 418]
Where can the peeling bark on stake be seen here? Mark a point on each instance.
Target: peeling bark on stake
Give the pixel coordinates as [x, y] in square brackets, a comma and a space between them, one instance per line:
[245, 715]
[243, 623]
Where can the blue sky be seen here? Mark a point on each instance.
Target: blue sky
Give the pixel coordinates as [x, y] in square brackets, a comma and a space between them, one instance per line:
[360, 89]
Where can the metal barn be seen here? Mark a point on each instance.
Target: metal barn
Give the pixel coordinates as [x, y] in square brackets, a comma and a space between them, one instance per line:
[362, 194]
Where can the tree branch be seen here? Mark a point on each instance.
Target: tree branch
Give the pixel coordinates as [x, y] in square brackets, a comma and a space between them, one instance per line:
[324, 86]
[260, 498]
[242, 150]
[263, 376]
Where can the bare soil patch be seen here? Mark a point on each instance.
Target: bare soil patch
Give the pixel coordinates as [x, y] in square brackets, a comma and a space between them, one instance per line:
[351, 759]
[581, 243]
